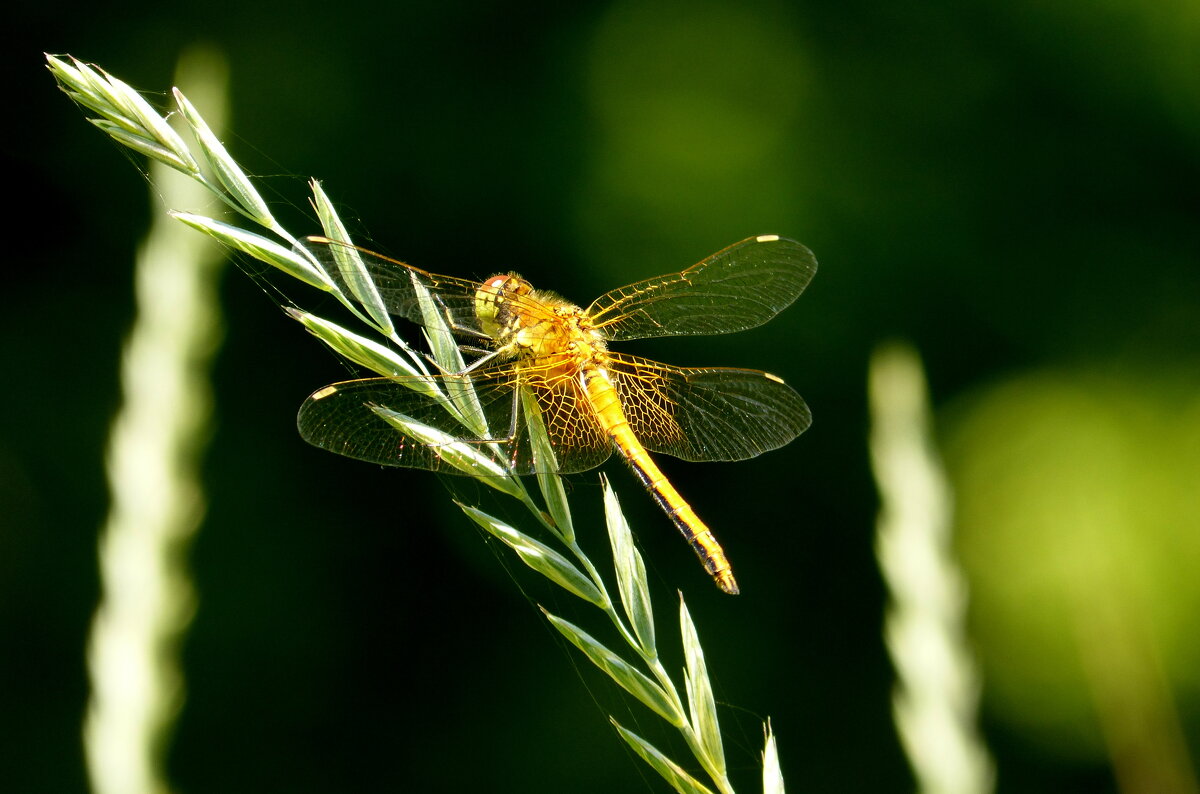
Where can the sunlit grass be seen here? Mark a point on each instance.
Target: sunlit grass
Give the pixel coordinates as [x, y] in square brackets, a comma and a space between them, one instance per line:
[633, 663]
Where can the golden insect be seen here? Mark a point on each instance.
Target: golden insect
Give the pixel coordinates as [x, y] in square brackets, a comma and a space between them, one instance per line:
[591, 400]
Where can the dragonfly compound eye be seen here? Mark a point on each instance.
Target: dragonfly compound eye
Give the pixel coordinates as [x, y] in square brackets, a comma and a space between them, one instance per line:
[488, 300]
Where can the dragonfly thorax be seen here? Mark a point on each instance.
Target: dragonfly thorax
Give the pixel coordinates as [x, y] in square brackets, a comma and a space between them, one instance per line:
[531, 322]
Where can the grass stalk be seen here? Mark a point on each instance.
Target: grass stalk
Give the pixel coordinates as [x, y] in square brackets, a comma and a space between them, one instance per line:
[636, 667]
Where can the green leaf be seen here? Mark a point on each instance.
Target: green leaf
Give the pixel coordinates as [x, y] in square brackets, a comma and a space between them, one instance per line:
[671, 772]
[362, 351]
[224, 167]
[141, 144]
[462, 455]
[82, 84]
[106, 112]
[446, 353]
[260, 248]
[630, 679]
[631, 572]
[772, 775]
[701, 704]
[440, 337]
[549, 482]
[126, 116]
[538, 556]
[350, 264]
[153, 122]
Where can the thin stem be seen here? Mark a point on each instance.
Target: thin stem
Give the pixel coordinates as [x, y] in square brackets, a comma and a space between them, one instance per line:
[130, 120]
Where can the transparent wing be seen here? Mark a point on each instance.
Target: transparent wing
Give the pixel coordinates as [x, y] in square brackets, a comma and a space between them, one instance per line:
[399, 286]
[349, 418]
[579, 442]
[740, 287]
[707, 414]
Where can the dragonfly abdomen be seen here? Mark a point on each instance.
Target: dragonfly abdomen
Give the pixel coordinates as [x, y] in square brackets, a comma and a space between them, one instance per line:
[697, 533]
[607, 404]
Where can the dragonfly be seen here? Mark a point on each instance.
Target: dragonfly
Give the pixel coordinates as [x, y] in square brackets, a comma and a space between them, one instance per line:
[591, 400]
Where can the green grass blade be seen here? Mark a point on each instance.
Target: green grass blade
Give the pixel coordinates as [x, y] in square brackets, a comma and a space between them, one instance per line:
[446, 353]
[935, 702]
[538, 556]
[89, 87]
[549, 482]
[701, 704]
[125, 115]
[438, 335]
[671, 772]
[362, 351]
[350, 264]
[772, 774]
[462, 455]
[224, 167]
[139, 143]
[631, 572]
[628, 677]
[260, 248]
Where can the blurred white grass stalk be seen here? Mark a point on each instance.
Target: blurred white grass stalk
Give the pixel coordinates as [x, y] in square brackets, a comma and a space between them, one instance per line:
[937, 693]
[155, 451]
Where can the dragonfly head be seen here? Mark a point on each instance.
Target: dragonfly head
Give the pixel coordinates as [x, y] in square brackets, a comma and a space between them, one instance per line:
[493, 302]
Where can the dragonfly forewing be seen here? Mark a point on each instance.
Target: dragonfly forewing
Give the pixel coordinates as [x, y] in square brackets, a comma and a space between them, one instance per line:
[401, 287]
[740, 287]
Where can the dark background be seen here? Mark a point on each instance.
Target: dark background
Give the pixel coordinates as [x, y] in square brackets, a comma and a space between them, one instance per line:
[1009, 186]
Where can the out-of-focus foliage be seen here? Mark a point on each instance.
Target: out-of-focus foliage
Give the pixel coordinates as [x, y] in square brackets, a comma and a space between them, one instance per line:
[697, 111]
[1077, 494]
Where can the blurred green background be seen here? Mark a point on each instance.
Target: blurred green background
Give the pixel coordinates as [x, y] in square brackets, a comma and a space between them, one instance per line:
[1012, 186]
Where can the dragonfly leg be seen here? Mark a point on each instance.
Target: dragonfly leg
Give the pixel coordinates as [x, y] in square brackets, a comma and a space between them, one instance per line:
[456, 327]
[484, 356]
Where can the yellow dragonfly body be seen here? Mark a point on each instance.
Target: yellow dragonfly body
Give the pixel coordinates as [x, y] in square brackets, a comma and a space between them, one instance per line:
[591, 400]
